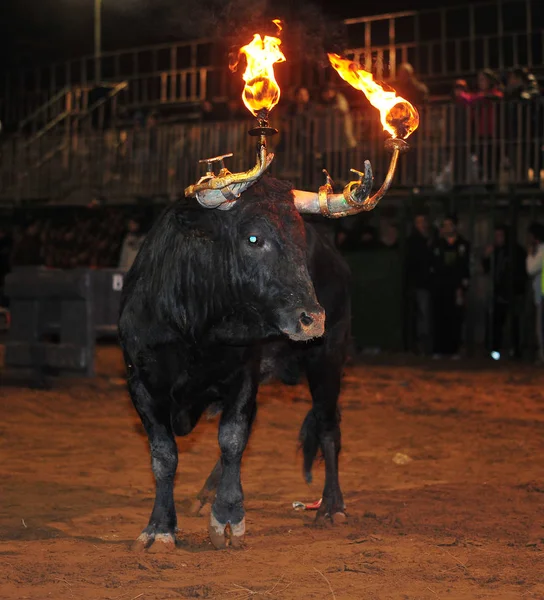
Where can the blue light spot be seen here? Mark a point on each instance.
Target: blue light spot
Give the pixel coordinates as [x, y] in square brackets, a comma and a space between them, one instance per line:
[253, 239]
[496, 355]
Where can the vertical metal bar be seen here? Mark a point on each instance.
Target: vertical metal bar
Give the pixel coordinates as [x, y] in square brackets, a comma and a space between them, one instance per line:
[472, 38]
[392, 50]
[83, 63]
[457, 45]
[500, 31]
[529, 27]
[53, 79]
[136, 70]
[417, 44]
[97, 40]
[443, 30]
[491, 289]
[470, 314]
[117, 65]
[368, 46]
[193, 69]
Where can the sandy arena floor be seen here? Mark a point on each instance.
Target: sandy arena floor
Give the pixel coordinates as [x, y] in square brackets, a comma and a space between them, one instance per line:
[463, 519]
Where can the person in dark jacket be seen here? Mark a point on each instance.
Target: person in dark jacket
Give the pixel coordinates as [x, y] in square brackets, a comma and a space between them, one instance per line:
[28, 247]
[5, 260]
[505, 259]
[418, 279]
[450, 281]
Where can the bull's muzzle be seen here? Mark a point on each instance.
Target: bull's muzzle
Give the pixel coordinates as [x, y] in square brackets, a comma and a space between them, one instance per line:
[303, 324]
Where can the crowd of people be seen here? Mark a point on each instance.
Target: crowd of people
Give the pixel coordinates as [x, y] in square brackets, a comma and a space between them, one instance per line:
[438, 267]
[101, 238]
[438, 277]
[317, 125]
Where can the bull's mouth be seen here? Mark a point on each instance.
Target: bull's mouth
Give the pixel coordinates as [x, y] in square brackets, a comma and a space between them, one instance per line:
[303, 326]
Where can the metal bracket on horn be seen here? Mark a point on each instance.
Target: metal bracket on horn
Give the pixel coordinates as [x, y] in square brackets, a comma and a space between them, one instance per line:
[222, 190]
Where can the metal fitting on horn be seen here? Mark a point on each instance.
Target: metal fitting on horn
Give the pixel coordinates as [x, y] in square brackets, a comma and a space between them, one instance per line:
[355, 197]
[222, 190]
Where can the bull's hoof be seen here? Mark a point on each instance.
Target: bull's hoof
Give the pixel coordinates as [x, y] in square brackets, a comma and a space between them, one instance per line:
[327, 517]
[195, 508]
[223, 535]
[157, 543]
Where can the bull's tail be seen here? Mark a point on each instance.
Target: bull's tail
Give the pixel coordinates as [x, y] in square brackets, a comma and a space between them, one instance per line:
[309, 442]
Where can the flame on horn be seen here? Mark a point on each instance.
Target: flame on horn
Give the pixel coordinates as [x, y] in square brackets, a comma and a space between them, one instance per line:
[261, 90]
[398, 116]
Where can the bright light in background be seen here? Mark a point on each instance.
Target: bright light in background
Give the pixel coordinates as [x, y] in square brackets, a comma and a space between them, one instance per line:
[495, 355]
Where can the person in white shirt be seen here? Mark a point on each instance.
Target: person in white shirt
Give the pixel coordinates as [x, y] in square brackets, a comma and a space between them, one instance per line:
[535, 260]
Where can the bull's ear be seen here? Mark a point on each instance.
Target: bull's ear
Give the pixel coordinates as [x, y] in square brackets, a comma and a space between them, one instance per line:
[197, 222]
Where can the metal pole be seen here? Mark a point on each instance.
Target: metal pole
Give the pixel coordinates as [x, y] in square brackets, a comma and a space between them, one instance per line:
[97, 40]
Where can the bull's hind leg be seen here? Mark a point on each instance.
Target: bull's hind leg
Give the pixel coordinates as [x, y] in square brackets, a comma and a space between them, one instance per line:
[321, 429]
[155, 417]
[234, 430]
[207, 493]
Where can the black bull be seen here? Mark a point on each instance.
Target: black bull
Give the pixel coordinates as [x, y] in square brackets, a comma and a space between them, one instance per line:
[214, 302]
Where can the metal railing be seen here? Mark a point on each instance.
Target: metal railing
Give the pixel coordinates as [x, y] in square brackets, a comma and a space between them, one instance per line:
[442, 44]
[450, 42]
[182, 67]
[454, 146]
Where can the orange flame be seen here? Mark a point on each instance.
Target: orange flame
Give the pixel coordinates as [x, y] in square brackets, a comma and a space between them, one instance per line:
[397, 115]
[261, 89]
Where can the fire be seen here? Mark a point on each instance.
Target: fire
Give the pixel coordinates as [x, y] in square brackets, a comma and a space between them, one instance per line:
[397, 115]
[261, 90]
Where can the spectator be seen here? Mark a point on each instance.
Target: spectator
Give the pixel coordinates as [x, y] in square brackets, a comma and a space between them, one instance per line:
[390, 236]
[296, 146]
[521, 85]
[409, 87]
[6, 245]
[450, 280]
[131, 244]
[28, 247]
[505, 258]
[369, 239]
[521, 88]
[207, 112]
[463, 163]
[535, 259]
[335, 139]
[485, 121]
[419, 260]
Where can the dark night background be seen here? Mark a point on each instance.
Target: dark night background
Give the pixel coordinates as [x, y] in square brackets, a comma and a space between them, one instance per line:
[40, 31]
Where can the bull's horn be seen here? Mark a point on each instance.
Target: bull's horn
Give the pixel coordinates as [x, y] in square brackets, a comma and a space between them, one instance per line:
[223, 190]
[355, 197]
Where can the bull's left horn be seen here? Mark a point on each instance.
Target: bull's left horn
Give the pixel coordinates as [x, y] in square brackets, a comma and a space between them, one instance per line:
[223, 190]
[355, 197]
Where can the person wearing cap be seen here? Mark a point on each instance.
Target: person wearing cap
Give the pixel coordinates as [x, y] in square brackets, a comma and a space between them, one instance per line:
[450, 272]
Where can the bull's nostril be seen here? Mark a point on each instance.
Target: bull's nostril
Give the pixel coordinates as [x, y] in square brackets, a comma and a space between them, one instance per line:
[306, 320]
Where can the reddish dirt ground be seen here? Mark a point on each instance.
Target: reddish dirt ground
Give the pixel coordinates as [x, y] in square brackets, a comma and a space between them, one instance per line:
[463, 519]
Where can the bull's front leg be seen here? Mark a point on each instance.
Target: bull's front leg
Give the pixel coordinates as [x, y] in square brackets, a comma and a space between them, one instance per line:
[234, 430]
[155, 418]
